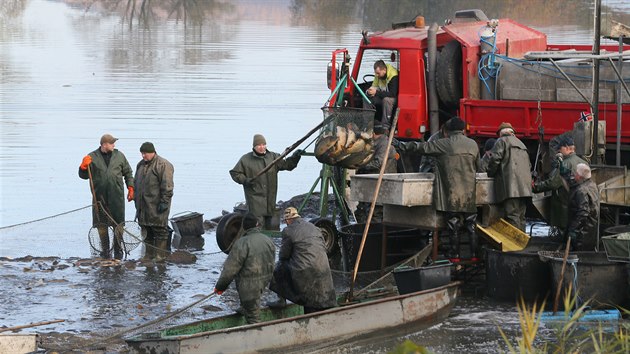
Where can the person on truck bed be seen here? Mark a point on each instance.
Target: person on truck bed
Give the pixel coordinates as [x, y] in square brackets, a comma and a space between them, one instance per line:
[560, 180]
[383, 92]
[261, 192]
[454, 192]
[508, 162]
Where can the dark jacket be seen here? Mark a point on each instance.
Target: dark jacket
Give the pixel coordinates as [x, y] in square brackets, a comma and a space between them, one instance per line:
[509, 164]
[457, 160]
[584, 211]
[303, 252]
[154, 186]
[260, 196]
[374, 165]
[250, 262]
[108, 185]
[559, 181]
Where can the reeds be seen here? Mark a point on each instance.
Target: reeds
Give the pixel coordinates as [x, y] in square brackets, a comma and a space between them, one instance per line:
[571, 336]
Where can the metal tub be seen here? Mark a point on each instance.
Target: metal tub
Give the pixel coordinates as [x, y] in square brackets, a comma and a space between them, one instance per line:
[411, 189]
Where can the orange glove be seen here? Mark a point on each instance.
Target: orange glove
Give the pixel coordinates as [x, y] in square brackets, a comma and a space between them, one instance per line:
[218, 292]
[86, 161]
[129, 193]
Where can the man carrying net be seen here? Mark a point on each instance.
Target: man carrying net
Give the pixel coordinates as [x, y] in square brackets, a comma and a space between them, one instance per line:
[106, 167]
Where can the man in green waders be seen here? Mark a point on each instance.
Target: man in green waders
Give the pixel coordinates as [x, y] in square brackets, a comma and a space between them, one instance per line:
[107, 168]
[250, 262]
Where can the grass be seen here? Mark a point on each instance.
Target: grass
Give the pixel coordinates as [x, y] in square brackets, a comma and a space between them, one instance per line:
[571, 336]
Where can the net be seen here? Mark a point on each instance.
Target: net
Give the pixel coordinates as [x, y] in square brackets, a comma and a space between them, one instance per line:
[346, 141]
[101, 239]
[132, 235]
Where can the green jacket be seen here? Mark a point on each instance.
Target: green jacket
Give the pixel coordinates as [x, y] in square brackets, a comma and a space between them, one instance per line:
[260, 196]
[250, 262]
[108, 185]
[154, 185]
[509, 164]
[457, 160]
[304, 252]
[559, 182]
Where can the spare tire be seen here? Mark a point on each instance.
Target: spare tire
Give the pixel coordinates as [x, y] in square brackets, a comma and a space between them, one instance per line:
[448, 74]
[329, 231]
[228, 231]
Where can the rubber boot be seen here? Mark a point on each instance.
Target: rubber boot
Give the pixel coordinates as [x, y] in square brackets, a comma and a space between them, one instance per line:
[103, 236]
[454, 224]
[118, 250]
[163, 249]
[471, 222]
[278, 304]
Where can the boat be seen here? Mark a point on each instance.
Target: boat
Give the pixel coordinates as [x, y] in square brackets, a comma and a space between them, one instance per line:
[289, 330]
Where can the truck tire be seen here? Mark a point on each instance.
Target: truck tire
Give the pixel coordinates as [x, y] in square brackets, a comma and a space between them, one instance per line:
[448, 75]
[228, 231]
[329, 231]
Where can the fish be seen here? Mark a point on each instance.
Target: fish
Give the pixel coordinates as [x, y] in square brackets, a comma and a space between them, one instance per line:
[324, 146]
[366, 135]
[358, 146]
[342, 137]
[352, 138]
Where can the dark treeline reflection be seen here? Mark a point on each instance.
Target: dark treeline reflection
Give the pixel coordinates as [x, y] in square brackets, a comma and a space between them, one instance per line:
[337, 15]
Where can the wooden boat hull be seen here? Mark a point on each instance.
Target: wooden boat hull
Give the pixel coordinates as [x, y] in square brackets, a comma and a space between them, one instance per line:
[402, 312]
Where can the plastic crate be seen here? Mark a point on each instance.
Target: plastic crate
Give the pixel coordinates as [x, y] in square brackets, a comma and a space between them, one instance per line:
[188, 223]
[410, 280]
[617, 247]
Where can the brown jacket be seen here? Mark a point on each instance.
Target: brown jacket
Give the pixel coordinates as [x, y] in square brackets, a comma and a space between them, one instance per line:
[154, 186]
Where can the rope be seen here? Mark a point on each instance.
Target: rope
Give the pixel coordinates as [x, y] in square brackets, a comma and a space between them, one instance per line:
[48, 217]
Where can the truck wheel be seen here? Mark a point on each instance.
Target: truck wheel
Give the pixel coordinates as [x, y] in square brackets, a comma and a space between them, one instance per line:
[329, 231]
[228, 231]
[448, 75]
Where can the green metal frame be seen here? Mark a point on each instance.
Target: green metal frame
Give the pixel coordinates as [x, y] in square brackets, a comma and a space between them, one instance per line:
[326, 178]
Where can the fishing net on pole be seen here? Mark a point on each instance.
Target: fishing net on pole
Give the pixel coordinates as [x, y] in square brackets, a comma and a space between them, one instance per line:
[101, 240]
[346, 141]
[132, 234]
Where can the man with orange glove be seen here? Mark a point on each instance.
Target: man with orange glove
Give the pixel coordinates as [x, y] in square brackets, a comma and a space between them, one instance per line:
[106, 167]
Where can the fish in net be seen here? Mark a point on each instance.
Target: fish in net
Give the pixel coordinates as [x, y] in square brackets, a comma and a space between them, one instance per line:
[347, 140]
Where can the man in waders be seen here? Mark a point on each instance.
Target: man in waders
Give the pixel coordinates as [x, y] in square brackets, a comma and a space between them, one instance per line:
[508, 162]
[584, 210]
[454, 191]
[302, 274]
[559, 181]
[261, 192]
[250, 262]
[106, 167]
[154, 191]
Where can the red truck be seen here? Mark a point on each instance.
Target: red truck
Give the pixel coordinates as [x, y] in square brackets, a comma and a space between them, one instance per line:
[488, 72]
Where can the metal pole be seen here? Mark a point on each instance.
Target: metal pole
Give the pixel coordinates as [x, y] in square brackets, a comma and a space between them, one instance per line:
[619, 101]
[596, 45]
[434, 116]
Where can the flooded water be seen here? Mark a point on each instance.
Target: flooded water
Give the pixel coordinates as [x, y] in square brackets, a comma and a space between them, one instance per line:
[198, 87]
